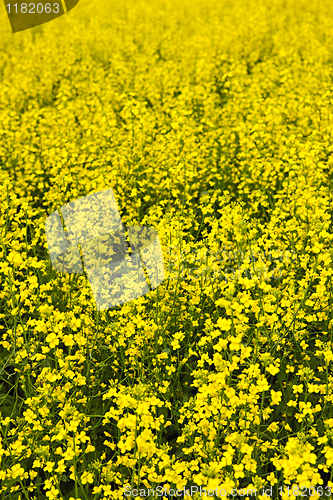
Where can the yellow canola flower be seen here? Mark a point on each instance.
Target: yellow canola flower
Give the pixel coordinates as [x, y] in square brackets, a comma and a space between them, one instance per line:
[215, 129]
[224, 324]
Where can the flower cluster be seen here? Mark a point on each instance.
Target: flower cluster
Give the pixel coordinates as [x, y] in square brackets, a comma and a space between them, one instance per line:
[229, 264]
[212, 123]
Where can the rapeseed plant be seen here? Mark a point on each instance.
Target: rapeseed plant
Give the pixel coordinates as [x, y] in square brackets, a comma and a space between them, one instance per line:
[212, 124]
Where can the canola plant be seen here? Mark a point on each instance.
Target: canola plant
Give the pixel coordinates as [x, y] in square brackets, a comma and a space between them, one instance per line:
[212, 123]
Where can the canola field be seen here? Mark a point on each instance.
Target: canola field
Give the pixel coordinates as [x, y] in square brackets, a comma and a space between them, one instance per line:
[212, 122]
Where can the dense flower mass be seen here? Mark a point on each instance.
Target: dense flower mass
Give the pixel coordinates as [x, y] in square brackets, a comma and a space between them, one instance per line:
[212, 122]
